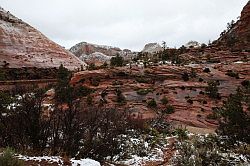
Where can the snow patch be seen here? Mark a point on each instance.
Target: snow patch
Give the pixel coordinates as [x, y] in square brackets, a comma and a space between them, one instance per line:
[59, 161]
[85, 162]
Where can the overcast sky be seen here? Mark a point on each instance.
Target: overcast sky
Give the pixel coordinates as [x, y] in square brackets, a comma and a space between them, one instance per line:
[127, 23]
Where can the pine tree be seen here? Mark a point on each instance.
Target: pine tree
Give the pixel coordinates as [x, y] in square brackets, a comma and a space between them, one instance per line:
[212, 89]
[63, 89]
[235, 122]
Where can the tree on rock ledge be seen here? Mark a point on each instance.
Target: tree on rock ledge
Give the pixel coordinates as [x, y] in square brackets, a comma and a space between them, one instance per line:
[117, 61]
[212, 89]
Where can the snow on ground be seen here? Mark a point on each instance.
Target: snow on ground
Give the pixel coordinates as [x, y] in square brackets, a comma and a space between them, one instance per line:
[135, 160]
[238, 62]
[57, 159]
[85, 162]
[50, 159]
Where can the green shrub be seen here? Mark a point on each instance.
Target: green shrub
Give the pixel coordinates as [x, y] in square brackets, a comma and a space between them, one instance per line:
[95, 81]
[201, 93]
[164, 100]
[143, 91]
[117, 61]
[120, 97]
[142, 80]
[212, 116]
[82, 91]
[89, 100]
[190, 101]
[245, 83]
[2, 75]
[193, 73]
[5, 100]
[200, 150]
[206, 70]
[185, 76]
[7, 158]
[117, 82]
[152, 103]
[212, 90]
[91, 67]
[181, 133]
[104, 65]
[169, 110]
[232, 74]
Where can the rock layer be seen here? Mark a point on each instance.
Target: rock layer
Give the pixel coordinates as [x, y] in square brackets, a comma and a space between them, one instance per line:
[98, 54]
[192, 105]
[23, 46]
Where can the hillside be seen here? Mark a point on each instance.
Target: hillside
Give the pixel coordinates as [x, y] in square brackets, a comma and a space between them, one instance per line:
[23, 46]
[238, 34]
[160, 106]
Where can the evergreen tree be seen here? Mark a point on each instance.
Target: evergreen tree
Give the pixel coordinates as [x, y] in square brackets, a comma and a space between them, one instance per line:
[235, 122]
[63, 89]
[212, 89]
[117, 61]
[2, 75]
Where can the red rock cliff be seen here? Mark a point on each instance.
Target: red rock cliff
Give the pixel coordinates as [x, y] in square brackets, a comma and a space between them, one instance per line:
[238, 37]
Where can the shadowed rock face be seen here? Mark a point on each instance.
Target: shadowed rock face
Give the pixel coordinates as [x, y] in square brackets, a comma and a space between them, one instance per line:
[23, 46]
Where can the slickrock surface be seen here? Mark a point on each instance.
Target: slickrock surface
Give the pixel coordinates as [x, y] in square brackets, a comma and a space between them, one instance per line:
[23, 46]
[166, 80]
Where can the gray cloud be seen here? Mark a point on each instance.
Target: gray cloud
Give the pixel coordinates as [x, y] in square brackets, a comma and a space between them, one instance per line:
[127, 23]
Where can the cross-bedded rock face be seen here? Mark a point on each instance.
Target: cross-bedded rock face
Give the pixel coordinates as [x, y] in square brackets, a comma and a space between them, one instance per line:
[23, 46]
[140, 85]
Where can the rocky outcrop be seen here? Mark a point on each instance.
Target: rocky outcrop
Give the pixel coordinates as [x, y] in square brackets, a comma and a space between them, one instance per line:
[88, 48]
[238, 34]
[97, 58]
[232, 46]
[94, 53]
[23, 46]
[152, 48]
[192, 105]
[192, 44]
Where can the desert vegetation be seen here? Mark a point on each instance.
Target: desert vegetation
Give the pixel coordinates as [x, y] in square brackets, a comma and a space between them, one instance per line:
[186, 106]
